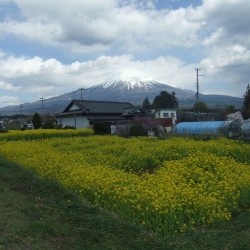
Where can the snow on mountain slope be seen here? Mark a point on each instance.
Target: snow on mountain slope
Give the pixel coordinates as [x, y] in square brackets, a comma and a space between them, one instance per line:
[126, 84]
[133, 90]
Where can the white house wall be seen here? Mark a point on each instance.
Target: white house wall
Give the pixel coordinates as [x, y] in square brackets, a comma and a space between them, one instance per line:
[74, 107]
[167, 114]
[164, 113]
[77, 122]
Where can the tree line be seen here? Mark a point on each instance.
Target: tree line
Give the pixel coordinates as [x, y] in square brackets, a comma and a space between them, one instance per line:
[169, 100]
[163, 100]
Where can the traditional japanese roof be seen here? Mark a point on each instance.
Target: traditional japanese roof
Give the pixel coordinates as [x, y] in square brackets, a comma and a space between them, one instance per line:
[133, 111]
[90, 107]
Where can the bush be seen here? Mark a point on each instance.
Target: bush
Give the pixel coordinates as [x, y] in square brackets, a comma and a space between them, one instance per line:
[102, 129]
[69, 127]
[48, 124]
[232, 130]
[3, 130]
[137, 130]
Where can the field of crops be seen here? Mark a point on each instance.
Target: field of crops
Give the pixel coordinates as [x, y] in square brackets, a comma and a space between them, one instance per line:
[170, 185]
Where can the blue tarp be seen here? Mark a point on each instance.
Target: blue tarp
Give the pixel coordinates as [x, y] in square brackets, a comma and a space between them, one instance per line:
[195, 128]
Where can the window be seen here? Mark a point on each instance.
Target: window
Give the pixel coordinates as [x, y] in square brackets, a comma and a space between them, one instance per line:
[165, 115]
[172, 115]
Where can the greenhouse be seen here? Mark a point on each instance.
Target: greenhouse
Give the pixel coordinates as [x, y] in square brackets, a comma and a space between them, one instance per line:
[245, 130]
[199, 128]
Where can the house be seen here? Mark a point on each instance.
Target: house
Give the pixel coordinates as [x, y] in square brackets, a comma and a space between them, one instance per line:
[129, 116]
[84, 113]
[134, 112]
[164, 113]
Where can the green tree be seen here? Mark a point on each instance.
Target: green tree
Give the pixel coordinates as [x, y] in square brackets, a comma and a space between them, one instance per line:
[230, 109]
[48, 124]
[246, 104]
[37, 121]
[165, 100]
[137, 129]
[146, 104]
[200, 107]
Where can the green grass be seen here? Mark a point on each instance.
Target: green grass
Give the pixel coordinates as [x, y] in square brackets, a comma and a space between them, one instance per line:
[38, 214]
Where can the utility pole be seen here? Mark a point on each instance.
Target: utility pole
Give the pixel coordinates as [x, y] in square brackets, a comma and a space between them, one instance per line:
[81, 89]
[54, 109]
[20, 116]
[197, 83]
[42, 108]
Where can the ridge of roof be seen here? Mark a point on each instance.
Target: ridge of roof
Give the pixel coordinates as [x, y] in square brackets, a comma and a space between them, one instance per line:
[79, 100]
[99, 106]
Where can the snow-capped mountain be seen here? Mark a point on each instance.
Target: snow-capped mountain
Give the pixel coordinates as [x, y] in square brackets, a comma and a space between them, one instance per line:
[133, 91]
[127, 84]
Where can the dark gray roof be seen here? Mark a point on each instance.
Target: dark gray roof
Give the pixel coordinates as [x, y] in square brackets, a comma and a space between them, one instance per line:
[105, 118]
[133, 111]
[106, 107]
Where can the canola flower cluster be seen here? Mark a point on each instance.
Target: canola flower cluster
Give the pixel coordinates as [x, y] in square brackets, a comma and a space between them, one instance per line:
[169, 185]
[35, 134]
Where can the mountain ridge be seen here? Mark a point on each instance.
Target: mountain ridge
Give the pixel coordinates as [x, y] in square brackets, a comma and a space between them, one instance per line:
[120, 90]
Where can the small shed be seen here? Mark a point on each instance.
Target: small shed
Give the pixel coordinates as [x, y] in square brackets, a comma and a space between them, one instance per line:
[199, 128]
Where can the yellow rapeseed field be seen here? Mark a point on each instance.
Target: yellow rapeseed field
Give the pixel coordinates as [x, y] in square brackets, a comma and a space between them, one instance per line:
[170, 185]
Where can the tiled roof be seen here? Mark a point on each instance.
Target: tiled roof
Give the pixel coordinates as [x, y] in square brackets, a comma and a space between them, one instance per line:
[133, 111]
[99, 107]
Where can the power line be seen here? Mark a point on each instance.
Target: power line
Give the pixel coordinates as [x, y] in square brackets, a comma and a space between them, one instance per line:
[227, 66]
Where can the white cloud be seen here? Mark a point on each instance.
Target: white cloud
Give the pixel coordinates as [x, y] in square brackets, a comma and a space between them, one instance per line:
[37, 77]
[100, 24]
[228, 20]
[230, 65]
[129, 26]
[51, 77]
[9, 100]
[8, 86]
[214, 35]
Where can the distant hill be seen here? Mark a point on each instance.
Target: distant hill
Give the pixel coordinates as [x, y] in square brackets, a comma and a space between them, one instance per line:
[117, 90]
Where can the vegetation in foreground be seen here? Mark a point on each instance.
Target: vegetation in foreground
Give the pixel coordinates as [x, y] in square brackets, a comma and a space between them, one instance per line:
[37, 214]
[174, 185]
[35, 134]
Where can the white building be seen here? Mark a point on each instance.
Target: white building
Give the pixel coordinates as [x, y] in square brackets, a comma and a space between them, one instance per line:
[83, 113]
[164, 113]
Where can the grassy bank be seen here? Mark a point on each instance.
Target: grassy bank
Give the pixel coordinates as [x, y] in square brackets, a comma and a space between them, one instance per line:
[33, 215]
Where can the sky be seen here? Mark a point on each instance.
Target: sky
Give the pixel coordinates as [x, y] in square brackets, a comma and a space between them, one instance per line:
[51, 47]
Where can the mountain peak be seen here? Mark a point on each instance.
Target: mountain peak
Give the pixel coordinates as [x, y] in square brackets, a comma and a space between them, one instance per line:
[128, 84]
[129, 80]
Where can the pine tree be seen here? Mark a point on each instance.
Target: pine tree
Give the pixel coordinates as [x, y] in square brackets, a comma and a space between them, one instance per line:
[246, 104]
[165, 100]
[146, 104]
[200, 107]
[37, 121]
